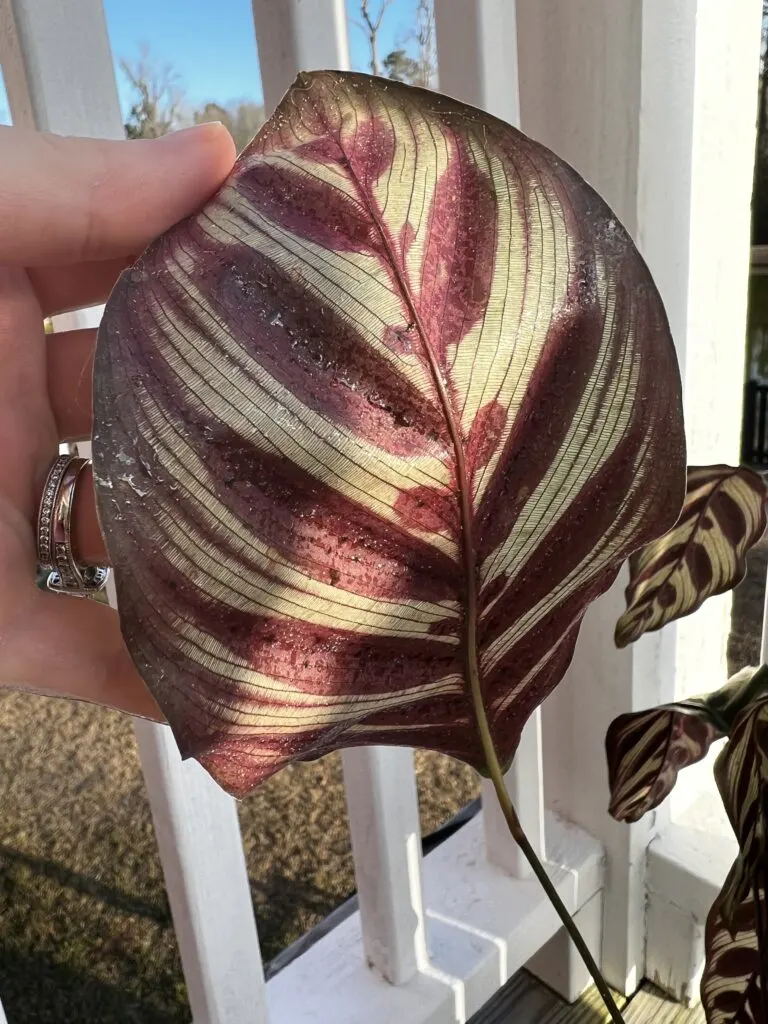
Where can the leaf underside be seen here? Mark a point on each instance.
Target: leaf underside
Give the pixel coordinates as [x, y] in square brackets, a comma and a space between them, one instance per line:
[704, 554]
[402, 392]
[734, 986]
[741, 773]
[647, 749]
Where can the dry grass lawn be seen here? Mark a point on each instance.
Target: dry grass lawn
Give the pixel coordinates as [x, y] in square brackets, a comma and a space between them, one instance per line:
[85, 929]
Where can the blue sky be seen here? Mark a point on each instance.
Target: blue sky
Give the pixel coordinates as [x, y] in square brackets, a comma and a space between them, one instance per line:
[211, 43]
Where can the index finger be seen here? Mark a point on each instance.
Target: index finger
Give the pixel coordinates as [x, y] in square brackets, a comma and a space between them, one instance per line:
[66, 200]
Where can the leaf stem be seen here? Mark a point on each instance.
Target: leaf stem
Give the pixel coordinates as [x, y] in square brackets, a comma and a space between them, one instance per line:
[516, 830]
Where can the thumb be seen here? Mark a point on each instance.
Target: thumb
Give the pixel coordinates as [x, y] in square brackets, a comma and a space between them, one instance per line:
[68, 200]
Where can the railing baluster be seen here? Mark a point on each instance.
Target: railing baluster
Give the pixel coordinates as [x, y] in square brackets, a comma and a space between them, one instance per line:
[198, 836]
[59, 76]
[57, 67]
[477, 63]
[386, 842]
[525, 786]
[477, 54]
[297, 35]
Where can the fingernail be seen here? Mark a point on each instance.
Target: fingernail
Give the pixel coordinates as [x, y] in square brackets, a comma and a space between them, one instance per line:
[189, 130]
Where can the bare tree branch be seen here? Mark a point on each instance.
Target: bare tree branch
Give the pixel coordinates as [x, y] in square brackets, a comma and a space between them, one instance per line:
[425, 39]
[159, 100]
[370, 29]
[419, 39]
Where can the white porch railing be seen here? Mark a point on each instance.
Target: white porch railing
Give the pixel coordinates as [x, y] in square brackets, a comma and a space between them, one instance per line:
[621, 90]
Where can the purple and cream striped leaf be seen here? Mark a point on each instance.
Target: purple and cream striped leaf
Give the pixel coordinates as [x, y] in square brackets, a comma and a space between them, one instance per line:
[397, 402]
[647, 749]
[734, 985]
[704, 554]
[741, 773]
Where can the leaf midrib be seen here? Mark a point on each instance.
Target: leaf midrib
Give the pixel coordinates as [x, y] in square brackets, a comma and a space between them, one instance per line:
[472, 679]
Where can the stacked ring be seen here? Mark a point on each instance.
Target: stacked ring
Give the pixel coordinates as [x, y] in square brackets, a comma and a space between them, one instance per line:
[55, 554]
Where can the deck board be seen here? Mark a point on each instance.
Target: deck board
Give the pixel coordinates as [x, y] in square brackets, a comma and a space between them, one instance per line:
[524, 1000]
[651, 1005]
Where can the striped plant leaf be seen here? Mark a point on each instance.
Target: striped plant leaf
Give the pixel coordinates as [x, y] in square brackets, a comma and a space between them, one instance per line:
[381, 420]
[647, 749]
[734, 985]
[741, 773]
[704, 554]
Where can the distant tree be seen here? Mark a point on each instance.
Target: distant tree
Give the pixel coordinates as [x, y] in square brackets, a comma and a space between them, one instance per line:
[400, 67]
[370, 25]
[242, 120]
[212, 112]
[421, 69]
[158, 102]
[425, 43]
[247, 118]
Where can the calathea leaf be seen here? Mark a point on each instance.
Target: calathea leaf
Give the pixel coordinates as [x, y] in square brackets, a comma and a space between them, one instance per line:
[391, 410]
[704, 554]
[741, 773]
[734, 985]
[647, 749]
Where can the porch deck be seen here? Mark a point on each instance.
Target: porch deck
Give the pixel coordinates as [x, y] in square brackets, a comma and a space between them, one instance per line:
[524, 1000]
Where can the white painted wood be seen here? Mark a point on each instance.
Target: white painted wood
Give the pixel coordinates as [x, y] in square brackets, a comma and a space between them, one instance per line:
[57, 67]
[559, 964]
[686, 870]
[380, 787]
[477, 54]
[625, 93]
[460, 888]
[482, 926]
[332, 984]
[525, 786]
[602, 684]
[675, 959]
[198, 835]
[298, 35]
[477, 59]
[717, 282]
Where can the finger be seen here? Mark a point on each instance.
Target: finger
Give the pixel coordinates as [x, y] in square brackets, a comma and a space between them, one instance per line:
[27, 428]
[69, 647]
[69, 368]
[65, 200]
[88, 544]
[61, 289]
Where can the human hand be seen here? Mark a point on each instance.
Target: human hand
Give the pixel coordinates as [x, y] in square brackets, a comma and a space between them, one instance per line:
[73, 215]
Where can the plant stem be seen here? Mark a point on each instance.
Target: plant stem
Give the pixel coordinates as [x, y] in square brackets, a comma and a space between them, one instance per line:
[516, 829]
[539, 870]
